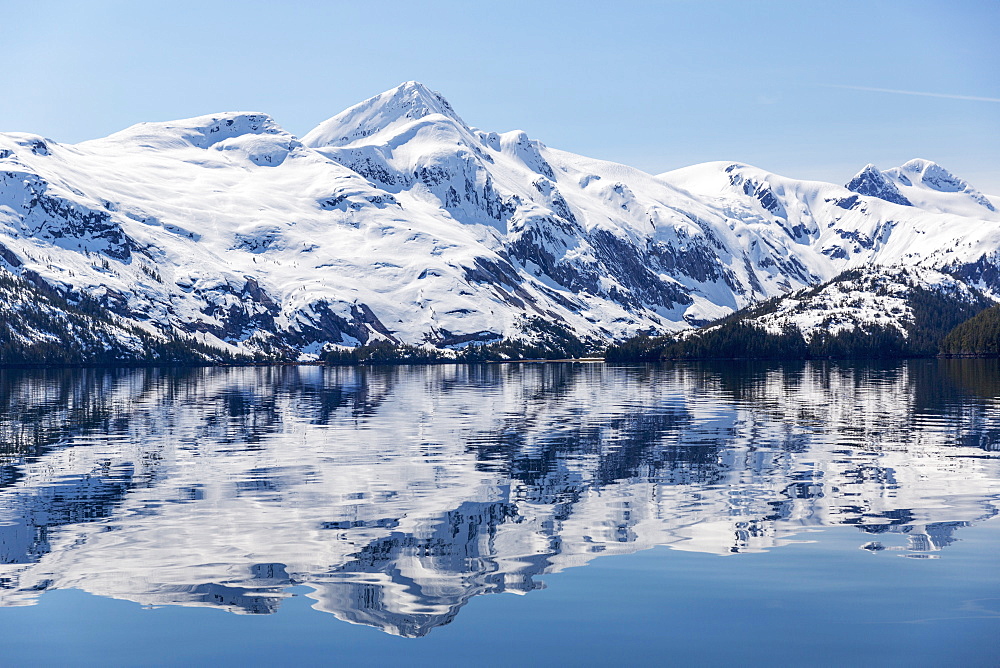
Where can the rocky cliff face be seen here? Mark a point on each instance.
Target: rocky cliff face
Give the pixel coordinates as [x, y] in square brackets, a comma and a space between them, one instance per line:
[397, 221]
[871, 182]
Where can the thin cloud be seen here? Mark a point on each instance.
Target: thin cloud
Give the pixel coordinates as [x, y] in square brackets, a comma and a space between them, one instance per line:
[915, 92]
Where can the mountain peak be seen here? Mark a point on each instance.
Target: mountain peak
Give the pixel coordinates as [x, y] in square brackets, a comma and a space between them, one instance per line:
[917, 165]
[406, 103]
[934, 176]
[929, 175]
[873, 183]
[414, 100]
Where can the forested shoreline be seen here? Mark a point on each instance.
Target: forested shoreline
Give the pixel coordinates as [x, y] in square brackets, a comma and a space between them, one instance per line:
[979, 336]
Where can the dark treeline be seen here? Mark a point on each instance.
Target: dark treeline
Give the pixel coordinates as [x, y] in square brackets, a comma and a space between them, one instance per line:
[979, 335]
[745, 340]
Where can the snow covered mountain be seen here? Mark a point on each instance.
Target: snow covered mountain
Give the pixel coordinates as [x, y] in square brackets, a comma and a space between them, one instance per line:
[882, 297]
[395, 220]
[888, 311]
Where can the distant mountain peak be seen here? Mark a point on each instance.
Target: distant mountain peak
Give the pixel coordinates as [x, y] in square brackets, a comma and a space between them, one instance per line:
[932, 176]
[873, 183]
[917, 165]
[407, 102]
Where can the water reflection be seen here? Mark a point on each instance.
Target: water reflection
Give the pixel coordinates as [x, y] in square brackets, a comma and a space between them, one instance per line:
[398, 494]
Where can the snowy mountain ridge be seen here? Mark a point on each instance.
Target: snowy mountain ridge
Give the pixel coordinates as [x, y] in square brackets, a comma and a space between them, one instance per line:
[394, 220]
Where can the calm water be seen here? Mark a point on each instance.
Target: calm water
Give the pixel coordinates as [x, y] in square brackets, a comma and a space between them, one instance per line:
[688, 515]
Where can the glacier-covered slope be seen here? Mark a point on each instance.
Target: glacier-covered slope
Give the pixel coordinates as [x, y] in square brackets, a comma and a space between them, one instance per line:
[396, 220]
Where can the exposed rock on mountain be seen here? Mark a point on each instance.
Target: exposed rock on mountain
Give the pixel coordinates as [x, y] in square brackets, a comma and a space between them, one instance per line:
[869, 181]
[395, 221]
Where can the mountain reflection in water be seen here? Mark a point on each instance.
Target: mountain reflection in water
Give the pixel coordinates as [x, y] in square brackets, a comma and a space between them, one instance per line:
[397, 494]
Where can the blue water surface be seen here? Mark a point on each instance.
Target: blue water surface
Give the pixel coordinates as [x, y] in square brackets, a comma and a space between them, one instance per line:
[570, 514]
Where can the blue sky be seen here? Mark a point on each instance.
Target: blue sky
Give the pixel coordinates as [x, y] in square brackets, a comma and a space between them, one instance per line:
[782, 85]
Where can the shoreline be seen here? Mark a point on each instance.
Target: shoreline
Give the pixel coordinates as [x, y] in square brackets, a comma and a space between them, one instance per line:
[579, 360]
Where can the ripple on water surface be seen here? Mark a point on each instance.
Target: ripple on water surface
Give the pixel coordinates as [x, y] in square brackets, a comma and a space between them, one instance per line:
[396, 495]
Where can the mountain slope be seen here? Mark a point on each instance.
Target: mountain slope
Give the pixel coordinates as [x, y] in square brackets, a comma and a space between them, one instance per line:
[873, 312]
[40, 326]
[395, 221]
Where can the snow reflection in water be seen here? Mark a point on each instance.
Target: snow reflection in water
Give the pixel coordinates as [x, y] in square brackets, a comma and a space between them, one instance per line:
[397, 494]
